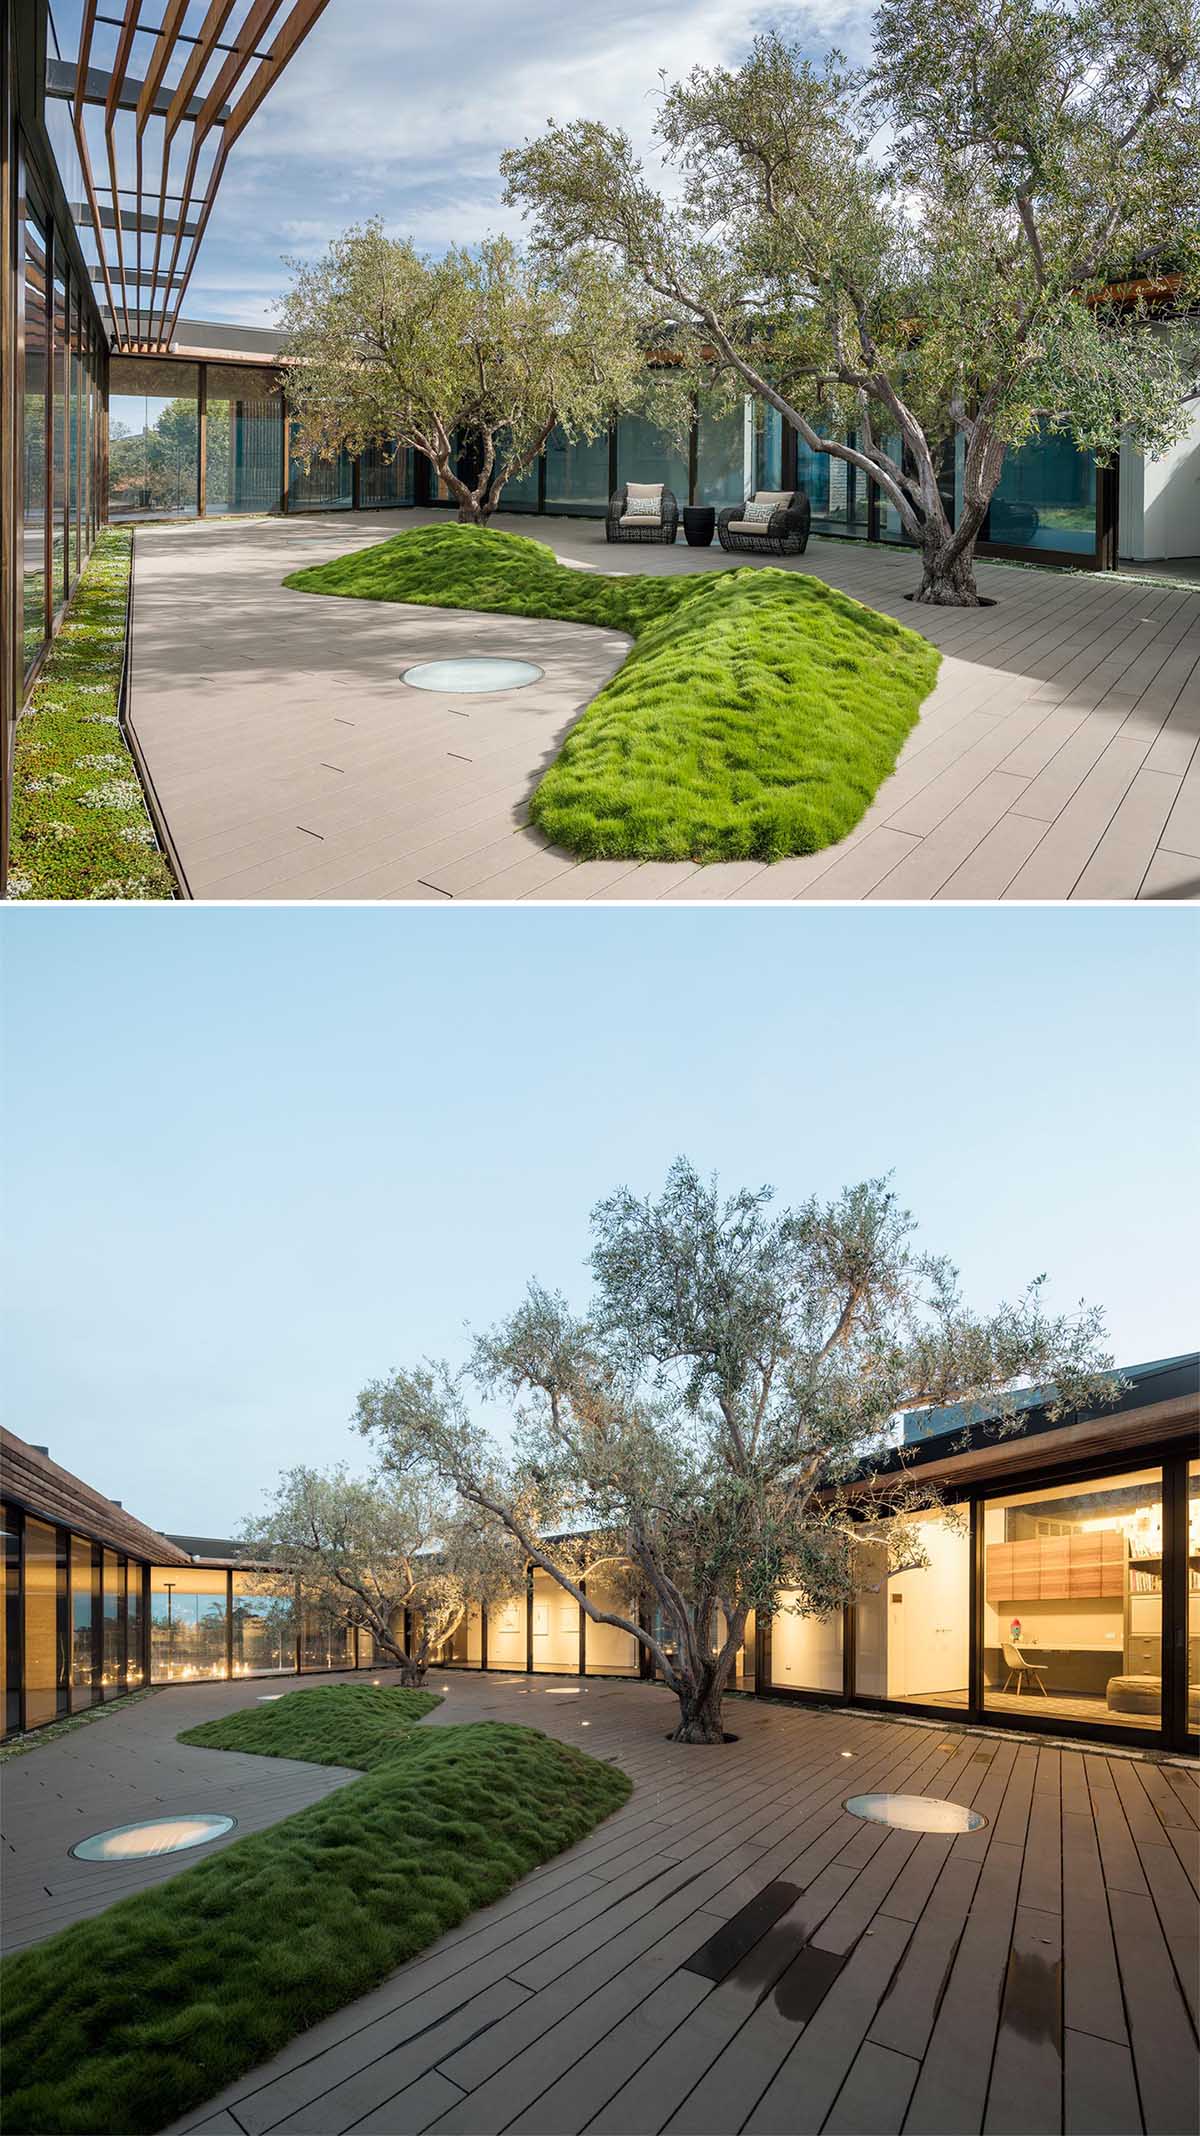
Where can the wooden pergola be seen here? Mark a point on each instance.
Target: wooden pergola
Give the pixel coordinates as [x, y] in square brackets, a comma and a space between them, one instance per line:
[186, 118]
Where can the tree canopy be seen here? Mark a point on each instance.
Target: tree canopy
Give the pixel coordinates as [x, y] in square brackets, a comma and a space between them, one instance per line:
[921, 251]
[708, 1419]
[366, 1551]
[471, 359]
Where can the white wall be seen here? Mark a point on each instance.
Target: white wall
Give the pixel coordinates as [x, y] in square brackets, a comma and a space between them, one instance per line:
[609, 1651]
[555, 1626]
[806, 1652]
[1159, 500]
[506, 1634]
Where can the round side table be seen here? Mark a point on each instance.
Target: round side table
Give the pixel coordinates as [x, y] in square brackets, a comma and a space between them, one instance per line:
[699, 525]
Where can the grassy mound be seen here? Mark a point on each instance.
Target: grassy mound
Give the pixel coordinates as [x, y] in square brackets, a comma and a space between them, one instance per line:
[80, 827]
[756, 716]
[333, 1724]
[127, 2021]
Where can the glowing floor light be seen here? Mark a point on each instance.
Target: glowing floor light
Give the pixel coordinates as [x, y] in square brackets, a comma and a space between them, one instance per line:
[154, 1835]
[915, 1813]
[471, 677]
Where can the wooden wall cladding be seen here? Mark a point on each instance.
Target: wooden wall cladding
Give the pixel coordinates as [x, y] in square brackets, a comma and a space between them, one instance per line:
[1057, 1568]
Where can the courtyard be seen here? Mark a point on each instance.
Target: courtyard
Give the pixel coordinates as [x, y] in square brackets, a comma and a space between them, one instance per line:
[1054, 758]
[732, 1949]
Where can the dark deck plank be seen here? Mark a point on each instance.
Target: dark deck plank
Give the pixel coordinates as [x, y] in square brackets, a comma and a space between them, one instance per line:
[1164, 2044]
[1027, 2070]
[1100, 2095]
[874, 2098]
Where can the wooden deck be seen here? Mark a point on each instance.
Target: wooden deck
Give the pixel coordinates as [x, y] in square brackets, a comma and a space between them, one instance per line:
[1056, 757]
[735, 1951]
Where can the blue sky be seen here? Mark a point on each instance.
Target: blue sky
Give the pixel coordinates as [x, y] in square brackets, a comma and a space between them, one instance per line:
[403, 111]
[256, 1157]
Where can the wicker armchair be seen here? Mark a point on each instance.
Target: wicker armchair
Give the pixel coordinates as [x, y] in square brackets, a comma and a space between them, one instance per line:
[619, 527]
[785, 533]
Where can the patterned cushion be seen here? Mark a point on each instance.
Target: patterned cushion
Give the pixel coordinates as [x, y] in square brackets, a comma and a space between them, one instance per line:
[645, 508]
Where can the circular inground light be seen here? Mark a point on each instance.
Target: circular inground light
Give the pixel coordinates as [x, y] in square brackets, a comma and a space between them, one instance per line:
[155, 1835]
[915, 1813]
[469, 677]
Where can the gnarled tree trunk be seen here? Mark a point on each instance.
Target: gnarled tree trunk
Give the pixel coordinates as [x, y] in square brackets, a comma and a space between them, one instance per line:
[700, 1711]
[948, 575]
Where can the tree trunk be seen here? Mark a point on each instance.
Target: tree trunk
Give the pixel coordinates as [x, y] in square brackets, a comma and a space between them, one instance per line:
[412, 1674]
[948, 581]
[474, 512]
[700, 1718]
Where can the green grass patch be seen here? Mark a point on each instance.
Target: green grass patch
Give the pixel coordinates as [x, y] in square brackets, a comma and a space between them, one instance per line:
[126, 2021]
[333, 1724]
[80, 827]
[756, 715]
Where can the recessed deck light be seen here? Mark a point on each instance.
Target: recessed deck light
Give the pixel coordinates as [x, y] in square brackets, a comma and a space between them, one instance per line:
[471, 677]
[915, 1813]
[154, 1835]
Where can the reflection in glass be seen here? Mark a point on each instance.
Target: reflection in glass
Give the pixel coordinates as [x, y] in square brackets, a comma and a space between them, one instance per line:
[153, 438]
[264, 1624]
[34, 458]
[321, 485]
[721, 456]
[768, 447]
[385, 476]
[112, 1674]
[647, 453]
[325, 1644]
[244, 440]
[134, 1627]
[83, 1671]
[58, 558]
[74, 498]
[577, 474]
[912, 1628]
[187, 1623]
[1193, 1596]
[1046, 495]
[10, 1621]
[1073, 1601]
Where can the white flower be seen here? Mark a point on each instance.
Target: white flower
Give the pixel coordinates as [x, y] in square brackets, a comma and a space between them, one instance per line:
[116, 793]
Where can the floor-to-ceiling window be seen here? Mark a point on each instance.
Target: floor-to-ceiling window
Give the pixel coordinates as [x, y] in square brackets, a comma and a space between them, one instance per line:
[555, 1626]
[153, 438]
[1046, 496]
[321, 485]
[722, 476]
[10, 1619]
[385, 475]
[43, 1673]
[326, 1642]
[135, 1627]
[83, 1605]
[187, 1623]
[243, 454]
[34, 486]
[768, 447]
[60, 448]
[1073, 1598]
[912, 1610]
[264, 1624]
[805, 1650]
[1193, 1596]
[75, 444]
[112, 1671]
[648, 453]
[577, 474]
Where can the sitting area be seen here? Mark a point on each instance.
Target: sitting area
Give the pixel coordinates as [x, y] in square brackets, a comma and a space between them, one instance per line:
[642, 511]
[775, 521]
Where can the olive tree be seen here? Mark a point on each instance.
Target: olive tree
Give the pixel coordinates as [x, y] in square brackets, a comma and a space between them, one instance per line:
[381, 1553]
[471, 359]
[922, 252]
[709, 1416]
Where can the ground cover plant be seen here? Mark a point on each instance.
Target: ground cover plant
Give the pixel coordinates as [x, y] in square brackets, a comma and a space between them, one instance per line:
[333, 1724]
[129, 2020]
[80, 827]
[756, 716]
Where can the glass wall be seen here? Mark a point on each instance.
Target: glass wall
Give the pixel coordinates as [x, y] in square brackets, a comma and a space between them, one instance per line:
[323, 486]
[187, 1623]
[42, 1672]
[891, 526]
[264, 1624]
[912, 1627]
[153, 438]
[555, 1627]
[135, 1626]
[112, 1671]
[1193, 1596]
[34, 457]
[1046, 496]
[506, 1634]
[721, 472]
[83, 1670]
[10, 1620]
[385, 476]
[243, 447]
[768, 447]
[1073, 1600]
[647, 453]
[75, 443]
[60, 450]
[806, 1652]
[325, 1643]
[610, 1651]
[577, 475]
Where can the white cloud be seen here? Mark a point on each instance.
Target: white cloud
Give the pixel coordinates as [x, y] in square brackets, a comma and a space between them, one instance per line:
[404, 111]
